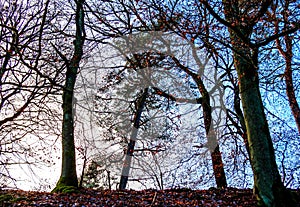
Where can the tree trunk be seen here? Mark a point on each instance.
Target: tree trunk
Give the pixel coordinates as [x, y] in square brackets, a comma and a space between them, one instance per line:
[213, 145]
[290, 91]
[268, 186]
[68, 173]
[287, 54]
[130, 148]
[212, 140]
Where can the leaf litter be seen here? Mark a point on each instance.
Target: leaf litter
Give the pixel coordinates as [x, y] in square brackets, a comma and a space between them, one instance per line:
[113, 198]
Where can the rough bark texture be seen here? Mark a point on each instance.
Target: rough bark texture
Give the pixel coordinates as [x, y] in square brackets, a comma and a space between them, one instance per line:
[68, 173]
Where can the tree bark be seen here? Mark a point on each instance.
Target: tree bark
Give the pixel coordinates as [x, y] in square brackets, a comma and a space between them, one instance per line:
[130, 148]
[290, 91]
[268, 186]
[212, 140]
[68, 173]
[287, 54]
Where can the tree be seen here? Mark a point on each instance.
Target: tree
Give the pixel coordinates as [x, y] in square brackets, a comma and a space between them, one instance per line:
[68, 173]
[118, 19]
[285, 48]
[130, 149]
[163, 22]
[212, 139]
[240, 19]
[145, 113]
[26, 84]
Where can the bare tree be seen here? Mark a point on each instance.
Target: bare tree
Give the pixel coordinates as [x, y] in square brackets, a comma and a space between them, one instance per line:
[131, 19]
[241, 17]
[26, 86]
[285, 48]
[68, 176]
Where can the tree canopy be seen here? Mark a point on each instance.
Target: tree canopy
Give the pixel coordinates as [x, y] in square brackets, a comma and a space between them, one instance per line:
[152, 94]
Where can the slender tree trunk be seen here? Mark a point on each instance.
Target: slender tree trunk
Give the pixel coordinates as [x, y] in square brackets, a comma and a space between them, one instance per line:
[130, 148]
[213, 145]
[68, 173]
[290, 91]
[212, 139]
[287, 54]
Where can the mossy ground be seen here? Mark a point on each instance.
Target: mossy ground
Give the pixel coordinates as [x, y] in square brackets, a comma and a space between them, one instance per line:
[65, 189]
[66, 186]
[7, 198]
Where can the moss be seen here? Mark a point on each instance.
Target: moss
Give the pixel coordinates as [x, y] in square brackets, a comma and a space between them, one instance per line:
[62, 187]
[65, 189]
[6, 197]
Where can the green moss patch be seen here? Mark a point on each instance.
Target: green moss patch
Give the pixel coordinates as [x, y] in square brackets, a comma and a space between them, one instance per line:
[65, 189]
[9, 198]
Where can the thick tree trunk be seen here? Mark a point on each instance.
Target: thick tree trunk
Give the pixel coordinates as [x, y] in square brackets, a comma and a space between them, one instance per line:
[268, 186]
[130, 148]
[68, 173]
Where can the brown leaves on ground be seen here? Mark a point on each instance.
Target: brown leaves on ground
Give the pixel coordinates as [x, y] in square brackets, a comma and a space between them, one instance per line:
[174, 197]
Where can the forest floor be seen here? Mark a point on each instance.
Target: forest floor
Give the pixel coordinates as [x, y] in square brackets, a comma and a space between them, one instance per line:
[87, 197]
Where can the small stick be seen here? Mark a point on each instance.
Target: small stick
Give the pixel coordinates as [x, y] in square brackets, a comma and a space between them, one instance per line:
[154, 198]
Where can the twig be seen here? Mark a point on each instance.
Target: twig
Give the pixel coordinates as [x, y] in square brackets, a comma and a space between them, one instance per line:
[154, 198]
